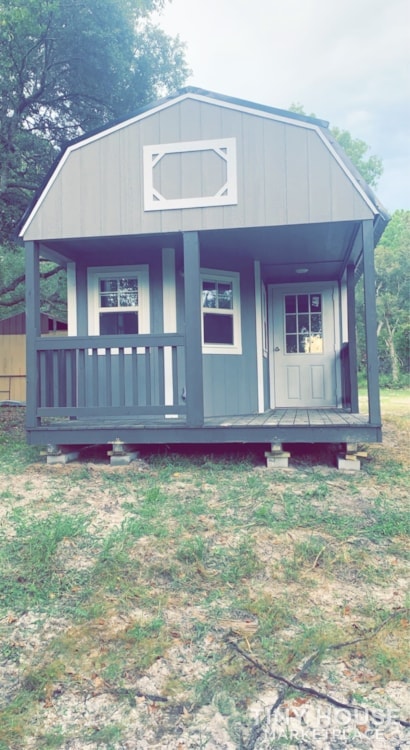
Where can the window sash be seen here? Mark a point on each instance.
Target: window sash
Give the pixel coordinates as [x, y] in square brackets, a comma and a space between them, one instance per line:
[225, 288]
[137, 286]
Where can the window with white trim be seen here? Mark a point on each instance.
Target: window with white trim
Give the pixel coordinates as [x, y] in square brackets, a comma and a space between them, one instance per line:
[118, 301]
[221, 312]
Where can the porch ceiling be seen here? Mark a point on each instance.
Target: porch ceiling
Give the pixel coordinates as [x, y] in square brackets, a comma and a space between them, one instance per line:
[321, 248]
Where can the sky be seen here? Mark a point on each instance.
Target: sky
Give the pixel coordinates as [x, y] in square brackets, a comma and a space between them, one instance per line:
[345, 61]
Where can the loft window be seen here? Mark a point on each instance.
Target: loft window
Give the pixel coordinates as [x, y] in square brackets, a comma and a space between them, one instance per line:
[221, 324]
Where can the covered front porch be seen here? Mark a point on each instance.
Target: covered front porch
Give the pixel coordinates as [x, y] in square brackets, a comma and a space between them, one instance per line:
[151, 387]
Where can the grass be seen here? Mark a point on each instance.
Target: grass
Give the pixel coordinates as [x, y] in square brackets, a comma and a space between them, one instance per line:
[123, 585]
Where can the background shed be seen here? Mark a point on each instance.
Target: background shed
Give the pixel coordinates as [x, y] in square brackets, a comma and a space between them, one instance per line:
[13, 352]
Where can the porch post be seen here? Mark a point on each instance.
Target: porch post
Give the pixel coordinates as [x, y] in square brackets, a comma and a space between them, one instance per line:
[370, 322]
[33, 330]
[193, 336]
[351, 334]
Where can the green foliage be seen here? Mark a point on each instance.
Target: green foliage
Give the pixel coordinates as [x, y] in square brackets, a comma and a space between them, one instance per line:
[392, 261]
[68, 67]
[112, 583]
[30, 571]
[370, 167]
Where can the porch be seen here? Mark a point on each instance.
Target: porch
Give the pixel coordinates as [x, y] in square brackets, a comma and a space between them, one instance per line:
[272, 426]
[139, 390]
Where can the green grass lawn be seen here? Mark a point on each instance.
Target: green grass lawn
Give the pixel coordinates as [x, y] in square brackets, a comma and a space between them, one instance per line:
[138, 599]
[391, 401]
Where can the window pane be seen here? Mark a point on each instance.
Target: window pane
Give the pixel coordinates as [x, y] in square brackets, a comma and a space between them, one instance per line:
[109, 300]
[225, 296]
[208, 294]
[316, 302]
[304, 344]
[128, 284]
[128, 299]
[303, 323]
[291, 324]
[316, 344]
[291, 344]
[218, 329]
[303, 303]
[316, 324]
[117, 323]
[290, 303]
[108, 285]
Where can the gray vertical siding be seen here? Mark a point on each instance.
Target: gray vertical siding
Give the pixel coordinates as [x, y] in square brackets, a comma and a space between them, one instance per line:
[286, 175]
[230, 380]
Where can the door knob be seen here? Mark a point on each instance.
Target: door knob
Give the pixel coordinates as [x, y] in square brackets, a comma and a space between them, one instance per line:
[277, 349]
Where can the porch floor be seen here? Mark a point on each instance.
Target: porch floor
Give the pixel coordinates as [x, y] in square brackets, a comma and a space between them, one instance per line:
[288, 417]
[276, 425]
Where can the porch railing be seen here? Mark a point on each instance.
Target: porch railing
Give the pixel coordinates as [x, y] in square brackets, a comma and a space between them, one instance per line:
[110, 376]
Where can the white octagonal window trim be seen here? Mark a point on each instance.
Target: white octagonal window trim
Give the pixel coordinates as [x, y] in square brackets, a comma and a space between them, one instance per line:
[225, 195]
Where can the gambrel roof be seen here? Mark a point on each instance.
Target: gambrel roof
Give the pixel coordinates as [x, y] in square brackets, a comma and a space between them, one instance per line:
[199, 160]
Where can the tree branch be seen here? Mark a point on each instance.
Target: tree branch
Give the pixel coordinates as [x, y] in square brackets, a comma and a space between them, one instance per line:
[309, 690]
[317, 693]
[20, 280]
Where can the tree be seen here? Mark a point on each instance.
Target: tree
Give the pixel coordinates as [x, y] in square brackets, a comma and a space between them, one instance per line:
[68, 67]
[392, 262]
[392, 259]
[370, 167]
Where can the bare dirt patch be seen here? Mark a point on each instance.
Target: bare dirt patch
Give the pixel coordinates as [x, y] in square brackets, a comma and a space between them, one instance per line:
[193, 601]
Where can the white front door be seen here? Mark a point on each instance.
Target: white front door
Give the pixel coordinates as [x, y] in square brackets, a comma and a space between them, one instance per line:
[303, 351]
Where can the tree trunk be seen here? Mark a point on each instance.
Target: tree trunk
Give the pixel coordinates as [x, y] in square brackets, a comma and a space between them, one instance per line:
[394, 360]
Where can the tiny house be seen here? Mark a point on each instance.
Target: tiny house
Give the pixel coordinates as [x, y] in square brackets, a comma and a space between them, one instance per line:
[212, 247]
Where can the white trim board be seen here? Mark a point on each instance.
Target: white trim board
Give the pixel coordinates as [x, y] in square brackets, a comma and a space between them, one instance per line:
[226, 195]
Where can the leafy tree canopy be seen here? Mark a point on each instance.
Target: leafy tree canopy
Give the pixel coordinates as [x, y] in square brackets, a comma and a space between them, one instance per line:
[369, 166]
[392, 259]
[66, 68]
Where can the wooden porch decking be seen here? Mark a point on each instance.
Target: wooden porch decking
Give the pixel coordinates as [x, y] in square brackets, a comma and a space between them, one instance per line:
[276, 425]
[288, 417]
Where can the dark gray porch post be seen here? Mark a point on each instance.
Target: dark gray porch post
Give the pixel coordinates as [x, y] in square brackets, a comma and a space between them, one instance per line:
[370, 323]
[32, 330]
[193, 336]
[351, 332]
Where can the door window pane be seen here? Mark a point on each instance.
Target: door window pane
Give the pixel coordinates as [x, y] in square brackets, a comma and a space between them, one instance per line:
[291, 344]
[315, 302]
[291, 324]
[303, 315]
[303, 302]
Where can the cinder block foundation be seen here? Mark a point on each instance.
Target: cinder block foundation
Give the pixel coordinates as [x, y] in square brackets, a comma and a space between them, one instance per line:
[123, 459]
[121, 454]
[351, 459]
[277, 458]
[348, 464]
[57, 455]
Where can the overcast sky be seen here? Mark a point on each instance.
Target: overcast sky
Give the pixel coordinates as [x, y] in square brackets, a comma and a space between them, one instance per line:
[346, 61]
